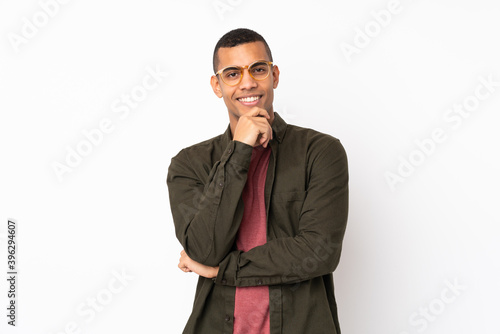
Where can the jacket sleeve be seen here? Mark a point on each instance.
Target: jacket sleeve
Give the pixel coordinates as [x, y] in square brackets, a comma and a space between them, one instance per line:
[205, 228]
[315, 250]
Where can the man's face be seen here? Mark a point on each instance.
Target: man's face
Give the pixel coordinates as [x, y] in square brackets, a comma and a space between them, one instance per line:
[234, 96]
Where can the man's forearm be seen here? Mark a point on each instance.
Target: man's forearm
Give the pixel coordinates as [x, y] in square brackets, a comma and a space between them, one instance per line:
[207, 216]
[316, 248]
[186, 264]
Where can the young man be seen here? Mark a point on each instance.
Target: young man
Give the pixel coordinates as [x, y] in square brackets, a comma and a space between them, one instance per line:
[260, 210]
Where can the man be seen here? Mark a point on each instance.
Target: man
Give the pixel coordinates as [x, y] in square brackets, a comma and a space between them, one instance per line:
[260, 210]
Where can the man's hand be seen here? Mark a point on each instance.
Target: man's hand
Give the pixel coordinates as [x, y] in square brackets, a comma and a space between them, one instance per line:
[187, 265]
[253, 128]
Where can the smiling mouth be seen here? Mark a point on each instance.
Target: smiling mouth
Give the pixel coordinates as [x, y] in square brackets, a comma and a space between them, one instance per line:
[249, 99]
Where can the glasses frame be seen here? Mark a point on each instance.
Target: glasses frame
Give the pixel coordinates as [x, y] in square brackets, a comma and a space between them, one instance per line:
[241, 68]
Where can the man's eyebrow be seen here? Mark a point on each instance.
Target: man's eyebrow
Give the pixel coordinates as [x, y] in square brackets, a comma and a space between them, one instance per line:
[232, 67]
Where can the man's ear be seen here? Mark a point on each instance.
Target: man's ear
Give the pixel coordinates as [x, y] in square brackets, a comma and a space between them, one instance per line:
[216, 86]
[276, 76]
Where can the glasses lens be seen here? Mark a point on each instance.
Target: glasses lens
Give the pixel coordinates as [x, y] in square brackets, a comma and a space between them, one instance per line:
[259, 70]
[231, 75]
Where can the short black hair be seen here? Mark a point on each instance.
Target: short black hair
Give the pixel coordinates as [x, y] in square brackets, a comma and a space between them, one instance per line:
[236, 37]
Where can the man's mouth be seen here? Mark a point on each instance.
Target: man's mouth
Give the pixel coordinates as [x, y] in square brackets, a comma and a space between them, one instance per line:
[250, 100]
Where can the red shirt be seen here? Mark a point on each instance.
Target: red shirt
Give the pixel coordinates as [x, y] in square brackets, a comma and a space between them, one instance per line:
[251, 305]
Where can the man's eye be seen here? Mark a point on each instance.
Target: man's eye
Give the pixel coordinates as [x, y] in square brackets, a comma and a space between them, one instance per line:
[259, 69]
[232, 74]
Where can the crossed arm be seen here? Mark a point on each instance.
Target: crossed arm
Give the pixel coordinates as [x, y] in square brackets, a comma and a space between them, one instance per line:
[207, 229]
[252, 129]
[187, 265]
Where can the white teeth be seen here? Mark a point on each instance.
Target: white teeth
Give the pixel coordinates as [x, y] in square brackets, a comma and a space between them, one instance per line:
[249, 99]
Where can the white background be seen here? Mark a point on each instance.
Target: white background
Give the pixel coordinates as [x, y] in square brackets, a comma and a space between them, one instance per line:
[404, 244]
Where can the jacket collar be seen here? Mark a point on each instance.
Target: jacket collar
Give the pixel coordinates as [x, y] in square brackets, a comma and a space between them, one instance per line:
[279, 129]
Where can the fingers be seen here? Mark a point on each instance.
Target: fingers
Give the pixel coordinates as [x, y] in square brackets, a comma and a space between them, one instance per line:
[183, 262]
[253, 128]
[256, 111]
[184, 268]
[266, 132]
[265, 137]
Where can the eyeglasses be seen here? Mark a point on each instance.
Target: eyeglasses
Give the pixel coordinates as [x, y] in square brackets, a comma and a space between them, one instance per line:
[232, 75]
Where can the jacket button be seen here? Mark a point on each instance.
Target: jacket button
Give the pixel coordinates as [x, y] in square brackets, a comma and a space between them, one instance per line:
[227, 318]
[221, 184]
[259, 282]
[224, 281]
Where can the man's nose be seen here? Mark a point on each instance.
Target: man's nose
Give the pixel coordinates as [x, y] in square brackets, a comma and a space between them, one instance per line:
[247, 82]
